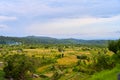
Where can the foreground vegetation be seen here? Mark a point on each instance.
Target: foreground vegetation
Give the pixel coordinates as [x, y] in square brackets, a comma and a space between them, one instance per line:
[107, 74]
[59, 61]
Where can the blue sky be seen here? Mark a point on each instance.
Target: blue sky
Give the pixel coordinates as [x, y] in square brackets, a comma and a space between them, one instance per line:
[82, 19]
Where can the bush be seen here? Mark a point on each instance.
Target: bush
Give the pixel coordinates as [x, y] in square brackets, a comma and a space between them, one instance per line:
[17, 66]
[81, 57]
[107, 74]
[116, 58]
[103, 62]
[114, 46]
[61, 49]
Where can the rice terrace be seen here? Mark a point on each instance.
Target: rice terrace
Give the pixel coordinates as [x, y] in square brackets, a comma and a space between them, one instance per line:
[59, 40]
[58, 60]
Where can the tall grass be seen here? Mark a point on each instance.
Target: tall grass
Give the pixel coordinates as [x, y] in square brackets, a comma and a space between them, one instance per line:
[107, 74]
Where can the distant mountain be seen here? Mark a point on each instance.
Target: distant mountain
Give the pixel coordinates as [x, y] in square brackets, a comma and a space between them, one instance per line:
[47, 40]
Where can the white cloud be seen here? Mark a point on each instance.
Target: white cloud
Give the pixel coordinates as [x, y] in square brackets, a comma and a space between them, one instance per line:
[64, 17]
[26, 7]
[62, 8]
[71, 26]
[4, 28]
[7, 18]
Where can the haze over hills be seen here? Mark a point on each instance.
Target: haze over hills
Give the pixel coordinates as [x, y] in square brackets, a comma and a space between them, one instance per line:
[47, 40]
[83, 19]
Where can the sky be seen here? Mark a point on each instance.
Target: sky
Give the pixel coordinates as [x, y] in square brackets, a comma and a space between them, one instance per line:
[80, 19]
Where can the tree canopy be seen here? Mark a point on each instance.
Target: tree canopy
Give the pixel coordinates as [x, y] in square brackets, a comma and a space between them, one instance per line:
[114, 46]
[17, 65]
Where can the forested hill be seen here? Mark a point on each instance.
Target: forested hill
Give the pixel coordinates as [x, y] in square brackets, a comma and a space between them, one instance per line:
[46, 40]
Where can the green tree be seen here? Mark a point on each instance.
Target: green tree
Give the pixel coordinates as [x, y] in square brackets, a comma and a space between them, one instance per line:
[17, 66]
[103, 62]
[114, 46]
[60, 49]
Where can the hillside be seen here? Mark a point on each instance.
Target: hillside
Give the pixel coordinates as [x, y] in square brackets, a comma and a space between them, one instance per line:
[47, 40]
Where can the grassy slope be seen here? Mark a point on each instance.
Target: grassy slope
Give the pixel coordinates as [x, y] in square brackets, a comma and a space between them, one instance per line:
[107, 74]
[1, 75]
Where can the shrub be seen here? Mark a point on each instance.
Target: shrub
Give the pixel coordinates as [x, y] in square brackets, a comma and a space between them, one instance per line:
[103, 62]
[114, 46]
[81, 57]
[17, 66]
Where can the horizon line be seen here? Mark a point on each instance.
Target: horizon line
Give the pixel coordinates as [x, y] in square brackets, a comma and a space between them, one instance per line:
[62, 37]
